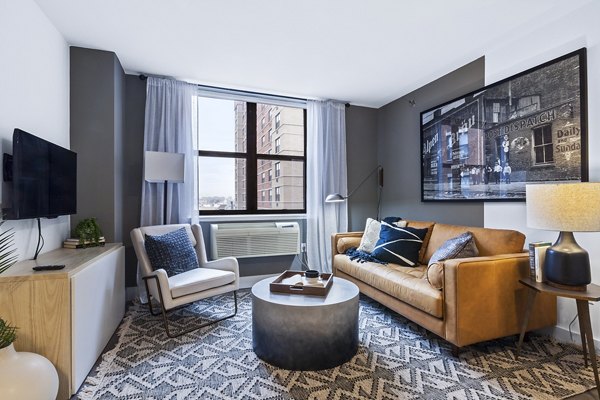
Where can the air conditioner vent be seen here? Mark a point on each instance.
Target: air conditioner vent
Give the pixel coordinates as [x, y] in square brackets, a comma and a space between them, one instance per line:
[254, 239]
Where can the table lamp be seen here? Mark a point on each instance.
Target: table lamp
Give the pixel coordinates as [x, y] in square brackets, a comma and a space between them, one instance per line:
[336, 197]
[568, 208]
[162, 167]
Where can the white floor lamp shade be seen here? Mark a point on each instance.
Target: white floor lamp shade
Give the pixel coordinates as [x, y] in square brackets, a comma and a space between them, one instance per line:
[163, 167]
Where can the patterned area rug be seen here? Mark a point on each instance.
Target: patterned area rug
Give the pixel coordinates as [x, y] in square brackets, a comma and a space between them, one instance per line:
[397, 359]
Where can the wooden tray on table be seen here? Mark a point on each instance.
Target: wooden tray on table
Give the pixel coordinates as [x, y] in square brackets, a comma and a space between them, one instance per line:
[283, 284]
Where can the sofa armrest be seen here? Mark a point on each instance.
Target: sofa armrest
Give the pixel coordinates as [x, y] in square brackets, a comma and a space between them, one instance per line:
[335, 237]
[484, 300]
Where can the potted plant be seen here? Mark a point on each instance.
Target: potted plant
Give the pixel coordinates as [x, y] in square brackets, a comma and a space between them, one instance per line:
[88, 231]
[7, 252]
[8, 334]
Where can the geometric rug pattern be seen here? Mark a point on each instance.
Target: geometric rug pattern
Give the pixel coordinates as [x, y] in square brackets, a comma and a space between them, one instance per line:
[397, 359]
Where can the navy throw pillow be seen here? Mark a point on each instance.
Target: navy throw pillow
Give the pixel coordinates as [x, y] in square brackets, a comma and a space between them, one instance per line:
[399, 245]
[172, 252]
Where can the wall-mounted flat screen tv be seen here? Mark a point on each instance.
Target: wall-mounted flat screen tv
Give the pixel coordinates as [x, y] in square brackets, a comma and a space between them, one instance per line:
[44, 178]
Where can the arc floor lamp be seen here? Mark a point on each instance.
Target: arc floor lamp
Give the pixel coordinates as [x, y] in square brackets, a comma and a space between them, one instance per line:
[337, 198]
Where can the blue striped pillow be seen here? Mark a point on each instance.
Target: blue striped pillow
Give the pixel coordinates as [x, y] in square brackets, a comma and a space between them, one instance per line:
[399, 245]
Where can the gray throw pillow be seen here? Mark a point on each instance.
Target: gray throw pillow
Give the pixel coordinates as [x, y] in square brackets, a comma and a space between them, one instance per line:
[172, 252]
[458, 247]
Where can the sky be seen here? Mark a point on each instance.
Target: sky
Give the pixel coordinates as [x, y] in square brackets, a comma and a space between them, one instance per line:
[216, 127]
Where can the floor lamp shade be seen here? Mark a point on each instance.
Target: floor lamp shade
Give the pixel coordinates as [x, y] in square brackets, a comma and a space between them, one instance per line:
[161, 167]
[567, 208]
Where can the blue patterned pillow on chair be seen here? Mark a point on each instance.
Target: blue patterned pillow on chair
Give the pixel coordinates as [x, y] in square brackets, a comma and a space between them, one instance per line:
[399, 245]
[172, 252]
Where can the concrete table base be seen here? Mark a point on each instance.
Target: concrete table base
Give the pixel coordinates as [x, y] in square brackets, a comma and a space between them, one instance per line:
[300, 332]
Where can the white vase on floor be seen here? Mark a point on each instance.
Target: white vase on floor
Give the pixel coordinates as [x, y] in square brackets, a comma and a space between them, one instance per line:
[26, 376]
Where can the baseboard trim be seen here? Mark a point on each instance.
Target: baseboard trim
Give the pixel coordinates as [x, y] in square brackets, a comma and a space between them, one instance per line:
[563, 335]
[246, 282]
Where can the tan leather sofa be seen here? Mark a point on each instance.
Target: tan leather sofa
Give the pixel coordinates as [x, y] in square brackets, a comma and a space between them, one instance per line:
[464, 301]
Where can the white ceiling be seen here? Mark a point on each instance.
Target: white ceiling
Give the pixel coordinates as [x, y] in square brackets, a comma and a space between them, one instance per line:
[366, 52]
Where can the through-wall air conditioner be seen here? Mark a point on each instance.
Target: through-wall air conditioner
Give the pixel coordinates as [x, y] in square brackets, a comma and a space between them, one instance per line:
[254, 239]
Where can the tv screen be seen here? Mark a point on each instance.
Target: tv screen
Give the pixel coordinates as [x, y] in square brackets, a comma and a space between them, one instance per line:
[44, 178]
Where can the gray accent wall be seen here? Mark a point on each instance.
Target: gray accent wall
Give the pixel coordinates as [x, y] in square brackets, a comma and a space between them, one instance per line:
[96, 98]
[399, 150]
[133, 162]
[361, 153]
[107, 132]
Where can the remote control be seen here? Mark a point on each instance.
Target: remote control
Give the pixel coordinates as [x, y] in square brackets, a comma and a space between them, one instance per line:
[48, 267]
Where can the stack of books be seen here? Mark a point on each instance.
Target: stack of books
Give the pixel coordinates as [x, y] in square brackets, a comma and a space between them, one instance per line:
[73, 243]
[537, 253]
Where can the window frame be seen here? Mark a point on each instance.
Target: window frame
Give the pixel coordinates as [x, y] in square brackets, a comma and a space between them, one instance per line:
[252, 156]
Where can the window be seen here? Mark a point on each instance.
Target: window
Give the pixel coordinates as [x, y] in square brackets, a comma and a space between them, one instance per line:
[542, 145]
[237, 156]
[277, 194]
[496, 112]
[277, 145]
[277, 169]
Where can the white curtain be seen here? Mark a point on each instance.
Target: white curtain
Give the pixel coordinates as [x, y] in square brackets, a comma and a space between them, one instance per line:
[168, 128]
[326, 174]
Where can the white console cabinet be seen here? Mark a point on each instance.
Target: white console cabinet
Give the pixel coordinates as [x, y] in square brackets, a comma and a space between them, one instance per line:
[69, 315]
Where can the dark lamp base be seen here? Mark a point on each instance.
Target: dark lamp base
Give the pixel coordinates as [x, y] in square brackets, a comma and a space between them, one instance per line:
[567, 265]
[581, 288]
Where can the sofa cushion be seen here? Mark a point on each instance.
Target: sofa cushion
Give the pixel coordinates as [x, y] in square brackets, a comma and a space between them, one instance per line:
[404, 283]
[490, 242]
[460, 246]
[399, 245]
[422, 225]
[345, 243]
[198, 280]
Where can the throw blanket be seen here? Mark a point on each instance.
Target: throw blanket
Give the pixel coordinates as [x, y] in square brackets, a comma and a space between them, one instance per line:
[362, 256]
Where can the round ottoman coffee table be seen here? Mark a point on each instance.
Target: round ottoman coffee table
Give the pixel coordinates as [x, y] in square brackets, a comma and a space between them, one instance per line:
[303, 332]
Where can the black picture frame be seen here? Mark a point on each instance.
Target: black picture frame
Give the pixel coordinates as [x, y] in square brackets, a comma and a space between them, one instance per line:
[535, 122]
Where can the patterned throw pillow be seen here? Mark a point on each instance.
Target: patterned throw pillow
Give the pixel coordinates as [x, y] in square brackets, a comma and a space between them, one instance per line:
[458, 247]
[172, 252]
[399, 245]
[372, 230]
[370, 235]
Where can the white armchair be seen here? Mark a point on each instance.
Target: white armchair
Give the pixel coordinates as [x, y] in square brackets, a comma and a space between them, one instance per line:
[212, 278]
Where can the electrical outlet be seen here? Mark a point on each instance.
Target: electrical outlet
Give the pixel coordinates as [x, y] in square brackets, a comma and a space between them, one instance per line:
[303, 247]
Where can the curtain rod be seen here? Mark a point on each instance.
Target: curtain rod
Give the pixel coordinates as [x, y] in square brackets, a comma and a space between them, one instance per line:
[145, 77]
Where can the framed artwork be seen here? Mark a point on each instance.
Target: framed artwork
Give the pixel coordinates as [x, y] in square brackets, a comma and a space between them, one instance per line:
[488, 144]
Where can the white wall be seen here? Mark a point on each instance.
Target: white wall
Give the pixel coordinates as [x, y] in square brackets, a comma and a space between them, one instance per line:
[553, 36]
[34, 96]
